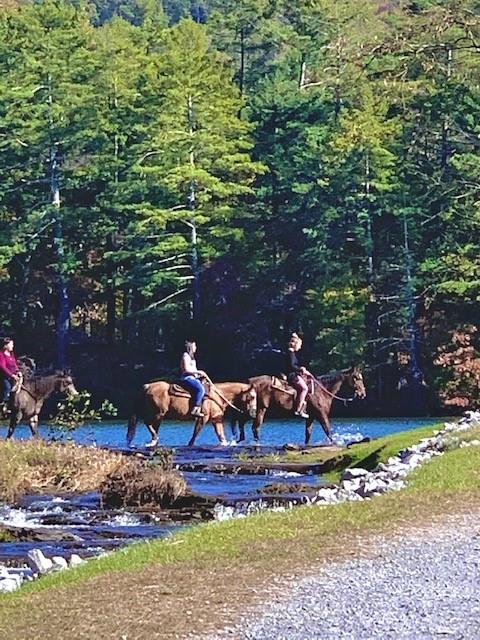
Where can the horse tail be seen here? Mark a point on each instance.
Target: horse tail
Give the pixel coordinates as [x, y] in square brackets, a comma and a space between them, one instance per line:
[133, 420]
[132, 428]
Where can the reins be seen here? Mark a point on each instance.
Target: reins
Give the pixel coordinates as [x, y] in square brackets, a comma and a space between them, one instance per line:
[217, 390]
[333, 395]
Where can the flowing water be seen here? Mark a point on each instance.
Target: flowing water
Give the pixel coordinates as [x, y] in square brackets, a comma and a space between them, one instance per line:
[78, 524]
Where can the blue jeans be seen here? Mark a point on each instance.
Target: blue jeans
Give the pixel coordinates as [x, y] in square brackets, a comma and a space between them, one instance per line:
[195, 387]
[6, 389]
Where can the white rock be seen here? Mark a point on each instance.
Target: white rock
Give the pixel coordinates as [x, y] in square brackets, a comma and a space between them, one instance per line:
[413, 460]
[8, 584]
[59, 563]
[75, 560]
[38, 562]
[327, 495]
[351, 485]
[351, 474]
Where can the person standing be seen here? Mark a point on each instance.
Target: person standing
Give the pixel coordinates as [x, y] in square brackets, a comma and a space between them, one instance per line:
[9, 371]
[297, 374]
[191, 377]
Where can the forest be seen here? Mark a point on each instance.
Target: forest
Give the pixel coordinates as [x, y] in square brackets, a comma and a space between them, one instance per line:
[234, 170]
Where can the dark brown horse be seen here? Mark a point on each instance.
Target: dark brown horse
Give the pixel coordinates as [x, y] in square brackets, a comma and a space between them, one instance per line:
[158, 401]
[27, 402]
[274, 393]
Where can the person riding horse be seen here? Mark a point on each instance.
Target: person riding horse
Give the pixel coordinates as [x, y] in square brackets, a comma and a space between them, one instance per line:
[191, 377]
[9, 372]
[297, 374]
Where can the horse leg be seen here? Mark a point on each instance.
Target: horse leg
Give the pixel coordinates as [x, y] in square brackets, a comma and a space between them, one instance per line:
[325, 422]
[218, 426]
[197, 427]
[234, 427]
[308, 429]
[153, 429]
[33, 422]
[241, 429]
[257, 423]
[14, 420]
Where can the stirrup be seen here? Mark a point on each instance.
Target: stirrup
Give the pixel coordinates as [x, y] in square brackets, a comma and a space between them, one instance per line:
[196, 414]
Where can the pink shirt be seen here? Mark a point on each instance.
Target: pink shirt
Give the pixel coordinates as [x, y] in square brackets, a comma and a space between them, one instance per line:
[8, 365]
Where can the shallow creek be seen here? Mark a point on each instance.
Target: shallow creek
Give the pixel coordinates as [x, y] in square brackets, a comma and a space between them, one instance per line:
[65, 524]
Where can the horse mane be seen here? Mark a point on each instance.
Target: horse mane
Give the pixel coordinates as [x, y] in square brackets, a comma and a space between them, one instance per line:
[41, 384]
[332, 377]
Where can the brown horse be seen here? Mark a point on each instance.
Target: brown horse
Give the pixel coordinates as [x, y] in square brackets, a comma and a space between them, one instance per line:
[27, 402]
[274, 393]
[158, 402]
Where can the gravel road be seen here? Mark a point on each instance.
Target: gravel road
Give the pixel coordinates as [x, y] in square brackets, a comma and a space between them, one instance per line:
[424, 584]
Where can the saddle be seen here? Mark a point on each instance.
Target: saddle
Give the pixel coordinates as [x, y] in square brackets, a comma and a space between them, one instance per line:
[281, 384]
[177, 389]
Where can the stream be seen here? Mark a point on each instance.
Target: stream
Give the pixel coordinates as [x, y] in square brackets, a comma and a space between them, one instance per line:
[65, 524]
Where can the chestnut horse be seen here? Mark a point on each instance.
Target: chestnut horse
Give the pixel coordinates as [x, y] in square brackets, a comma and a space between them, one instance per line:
[158, 402]
[28, 401]
[272, 392]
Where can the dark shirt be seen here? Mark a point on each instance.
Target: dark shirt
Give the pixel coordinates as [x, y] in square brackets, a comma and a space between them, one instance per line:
[292, 362]
[8, 365]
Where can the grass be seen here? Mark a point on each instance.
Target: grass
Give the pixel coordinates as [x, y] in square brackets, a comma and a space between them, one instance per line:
[366, 455]
[151, 585]
[36, 466]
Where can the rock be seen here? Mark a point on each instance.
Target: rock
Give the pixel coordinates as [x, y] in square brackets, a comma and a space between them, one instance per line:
[327, 495]
[25, 573]
[8, 584]
[351, 474]
[75, 560]
[351, 485]
[38, 562]
[412, 460]
[59, 563]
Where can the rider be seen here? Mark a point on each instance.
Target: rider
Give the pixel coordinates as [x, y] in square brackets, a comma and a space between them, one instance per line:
[191, 377]
[297, 374]
[9, 371]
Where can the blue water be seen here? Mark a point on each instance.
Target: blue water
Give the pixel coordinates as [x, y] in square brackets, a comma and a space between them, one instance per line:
[96, 530]
[274, 432]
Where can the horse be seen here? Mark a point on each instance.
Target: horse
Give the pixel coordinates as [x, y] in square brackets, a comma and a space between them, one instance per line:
[27, 402]
[161, 399]
[273, 392]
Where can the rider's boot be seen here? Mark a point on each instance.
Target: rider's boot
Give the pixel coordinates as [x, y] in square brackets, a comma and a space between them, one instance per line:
[197, 412]
[300, 412]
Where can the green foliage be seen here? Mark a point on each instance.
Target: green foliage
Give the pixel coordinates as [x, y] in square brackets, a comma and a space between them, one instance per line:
[310, 166]
[76, 410]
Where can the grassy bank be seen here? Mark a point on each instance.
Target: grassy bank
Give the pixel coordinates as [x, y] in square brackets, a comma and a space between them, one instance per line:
[366, 455]
[36, 466]
[210, 565]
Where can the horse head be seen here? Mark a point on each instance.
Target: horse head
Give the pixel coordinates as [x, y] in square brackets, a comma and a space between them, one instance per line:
[355, 380]
[249, 397]
[65, 383]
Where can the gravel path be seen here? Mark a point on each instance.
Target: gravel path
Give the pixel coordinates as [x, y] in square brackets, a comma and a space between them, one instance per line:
[423, 585]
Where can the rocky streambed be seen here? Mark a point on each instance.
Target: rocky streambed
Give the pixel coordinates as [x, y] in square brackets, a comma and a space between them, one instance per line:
[223, 482]
[63, 526]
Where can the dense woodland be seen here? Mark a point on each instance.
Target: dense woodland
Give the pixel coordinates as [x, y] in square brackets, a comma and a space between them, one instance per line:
[233, 170]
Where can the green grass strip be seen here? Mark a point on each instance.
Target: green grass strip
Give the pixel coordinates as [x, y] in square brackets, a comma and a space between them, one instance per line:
[455, 473]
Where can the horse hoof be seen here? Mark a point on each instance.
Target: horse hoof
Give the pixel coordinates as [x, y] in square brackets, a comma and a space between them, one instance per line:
[152, 444]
